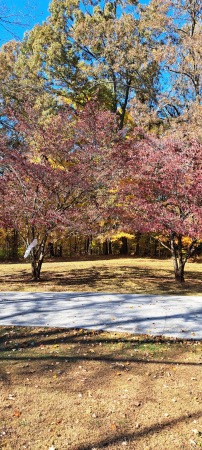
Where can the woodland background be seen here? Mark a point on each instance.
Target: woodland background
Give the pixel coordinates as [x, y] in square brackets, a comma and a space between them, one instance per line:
[101, 132]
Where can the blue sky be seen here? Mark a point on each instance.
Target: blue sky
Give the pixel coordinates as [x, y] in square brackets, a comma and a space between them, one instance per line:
[27, 12]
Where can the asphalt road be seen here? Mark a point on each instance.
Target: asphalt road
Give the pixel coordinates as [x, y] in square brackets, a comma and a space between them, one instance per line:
[172, 316]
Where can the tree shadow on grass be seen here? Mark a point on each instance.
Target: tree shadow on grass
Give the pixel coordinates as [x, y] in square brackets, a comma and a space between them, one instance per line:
[111, 279]
[145, 432]
[85, 340]
[139, 314]
[82, 336]
[102, 367]
[126, 279]
[193, 283]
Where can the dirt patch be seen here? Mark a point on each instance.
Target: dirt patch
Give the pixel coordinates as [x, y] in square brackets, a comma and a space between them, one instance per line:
[123, 275]
[83, 390]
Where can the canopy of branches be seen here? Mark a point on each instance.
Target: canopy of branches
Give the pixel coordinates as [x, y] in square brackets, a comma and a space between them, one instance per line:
[101, 123]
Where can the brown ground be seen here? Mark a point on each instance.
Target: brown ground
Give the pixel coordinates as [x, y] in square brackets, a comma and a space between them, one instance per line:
[122, 275]
[83, 390]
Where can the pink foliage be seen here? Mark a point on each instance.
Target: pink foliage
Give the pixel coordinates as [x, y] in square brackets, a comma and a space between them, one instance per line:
[68, 184]
[161, 188]
[79, 170]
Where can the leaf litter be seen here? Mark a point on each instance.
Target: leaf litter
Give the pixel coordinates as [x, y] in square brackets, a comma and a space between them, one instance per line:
[73, 401]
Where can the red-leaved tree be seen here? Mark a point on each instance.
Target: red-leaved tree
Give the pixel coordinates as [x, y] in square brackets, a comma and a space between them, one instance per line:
[58, 177]
[160, 191]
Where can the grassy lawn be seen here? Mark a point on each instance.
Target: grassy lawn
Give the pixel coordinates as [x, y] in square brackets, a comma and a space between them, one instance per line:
[83, 390]
[122, 275]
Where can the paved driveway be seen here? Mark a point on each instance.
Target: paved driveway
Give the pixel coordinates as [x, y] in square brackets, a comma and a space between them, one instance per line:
[174, 316]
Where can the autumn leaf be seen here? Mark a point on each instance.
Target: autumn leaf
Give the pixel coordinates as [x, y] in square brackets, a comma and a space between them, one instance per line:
[17, 413]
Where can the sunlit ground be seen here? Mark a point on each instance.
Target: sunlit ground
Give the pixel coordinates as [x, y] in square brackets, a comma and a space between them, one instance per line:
[118, 275]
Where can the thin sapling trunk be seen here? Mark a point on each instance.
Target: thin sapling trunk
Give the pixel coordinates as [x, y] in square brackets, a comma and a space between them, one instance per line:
[37, 262]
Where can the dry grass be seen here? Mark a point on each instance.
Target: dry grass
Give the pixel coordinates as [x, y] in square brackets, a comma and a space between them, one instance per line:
[83, 390]
[122, 275]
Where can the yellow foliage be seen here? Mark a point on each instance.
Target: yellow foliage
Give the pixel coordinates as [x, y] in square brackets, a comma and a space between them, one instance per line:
[128, 119]
[121, 234]
[3, 234]
[186, 241]
[55, 164]
[36, 159]
[67, 101]
[162, 238]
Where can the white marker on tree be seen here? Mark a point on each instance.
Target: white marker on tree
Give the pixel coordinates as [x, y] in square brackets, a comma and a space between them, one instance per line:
[29, 248]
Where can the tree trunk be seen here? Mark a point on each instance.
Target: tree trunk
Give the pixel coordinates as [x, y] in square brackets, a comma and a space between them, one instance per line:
[178, 263]
[36, 268]
[88, 245]
[179, 273]
[60, 251]
[51, 249]
[178, 270]
[137, 248]
[14, 250]
[107, 247]
[124, 105]
[35, 271]
[124, 246]
[75, 245]
[37, 264]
